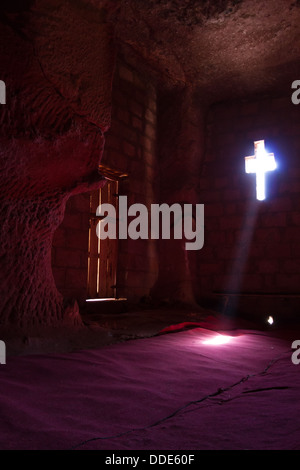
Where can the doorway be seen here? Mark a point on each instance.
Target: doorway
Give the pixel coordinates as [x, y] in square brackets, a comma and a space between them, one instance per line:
[102, 254]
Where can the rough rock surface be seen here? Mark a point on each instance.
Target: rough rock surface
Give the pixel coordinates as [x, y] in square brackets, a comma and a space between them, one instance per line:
[57, 60]
[224, 48]
[52, 137]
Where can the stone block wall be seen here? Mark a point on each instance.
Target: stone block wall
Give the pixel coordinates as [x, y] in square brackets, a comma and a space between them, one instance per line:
[251, 246]
[70, 249]
[130, 148]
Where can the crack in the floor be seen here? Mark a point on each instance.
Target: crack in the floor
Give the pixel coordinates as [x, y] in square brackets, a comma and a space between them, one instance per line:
[184, 407]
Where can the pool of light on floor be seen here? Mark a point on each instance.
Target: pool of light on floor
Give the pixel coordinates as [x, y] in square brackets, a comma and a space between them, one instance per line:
[105, 299]
[218, 339]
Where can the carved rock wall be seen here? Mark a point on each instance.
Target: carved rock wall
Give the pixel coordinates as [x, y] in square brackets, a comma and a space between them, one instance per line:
[58, 72]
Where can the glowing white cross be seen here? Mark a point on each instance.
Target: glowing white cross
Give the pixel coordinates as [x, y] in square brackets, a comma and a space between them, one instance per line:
[260, 163]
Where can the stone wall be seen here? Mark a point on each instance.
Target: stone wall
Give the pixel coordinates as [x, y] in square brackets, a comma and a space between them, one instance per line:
[251, 246]
[51, 140]
[130, 147]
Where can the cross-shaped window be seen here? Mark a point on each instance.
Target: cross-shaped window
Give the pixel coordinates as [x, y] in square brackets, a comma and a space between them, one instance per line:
[260, 163]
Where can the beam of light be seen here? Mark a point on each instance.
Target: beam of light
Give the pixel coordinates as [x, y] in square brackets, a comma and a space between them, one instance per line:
[270, 320]
[259, 164]
[243, 242]
[218, 340]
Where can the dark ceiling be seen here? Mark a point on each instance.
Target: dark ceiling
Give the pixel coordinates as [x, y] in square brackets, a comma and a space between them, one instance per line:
[224, 48]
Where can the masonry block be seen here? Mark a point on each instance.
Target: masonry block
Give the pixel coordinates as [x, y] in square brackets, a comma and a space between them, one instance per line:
[65, 257]
[76, 278]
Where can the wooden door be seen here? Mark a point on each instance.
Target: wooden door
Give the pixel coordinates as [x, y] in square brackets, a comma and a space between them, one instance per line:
[102, 254]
